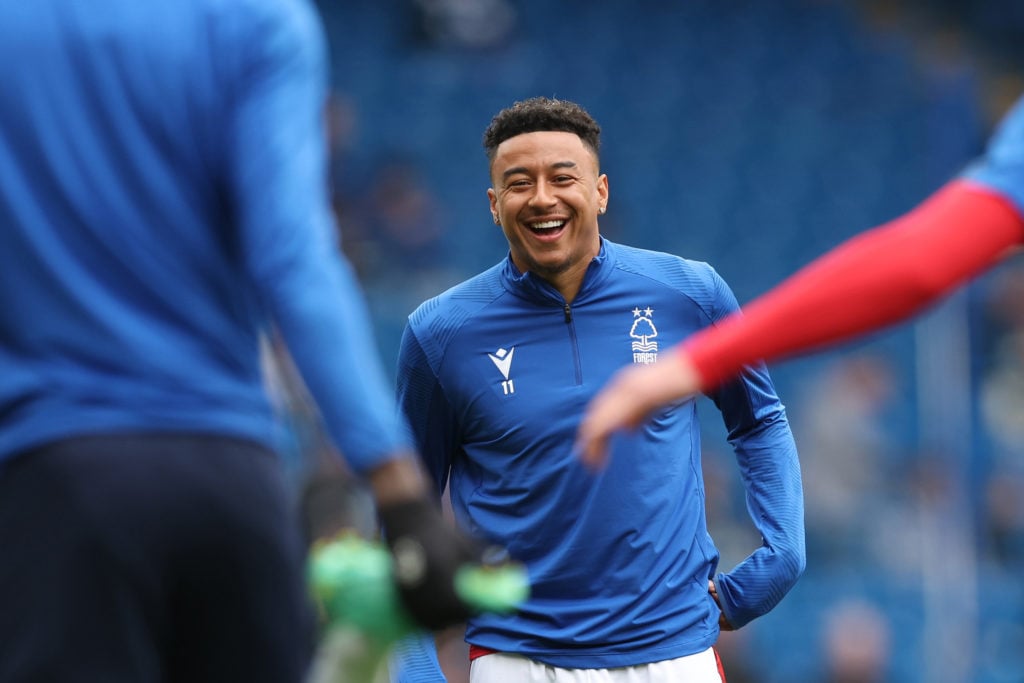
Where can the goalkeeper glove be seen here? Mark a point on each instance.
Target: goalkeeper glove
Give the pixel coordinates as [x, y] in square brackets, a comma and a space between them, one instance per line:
[428, 553]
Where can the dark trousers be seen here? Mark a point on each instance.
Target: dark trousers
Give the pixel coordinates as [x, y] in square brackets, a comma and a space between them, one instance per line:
[150, 558]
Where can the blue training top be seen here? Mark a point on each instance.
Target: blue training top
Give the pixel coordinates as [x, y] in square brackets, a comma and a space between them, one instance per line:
[162, 198]
[494, 375]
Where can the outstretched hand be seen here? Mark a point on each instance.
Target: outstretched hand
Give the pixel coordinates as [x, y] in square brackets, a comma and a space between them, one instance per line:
[629, 398]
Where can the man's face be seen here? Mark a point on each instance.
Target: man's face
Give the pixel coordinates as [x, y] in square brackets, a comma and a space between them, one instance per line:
[547, 194]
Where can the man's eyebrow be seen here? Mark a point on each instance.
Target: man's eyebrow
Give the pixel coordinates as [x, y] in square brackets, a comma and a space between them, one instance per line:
[513, 171]
[522, 169]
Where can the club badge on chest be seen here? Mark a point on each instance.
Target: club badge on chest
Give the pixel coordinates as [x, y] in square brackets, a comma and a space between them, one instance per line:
[643, 333]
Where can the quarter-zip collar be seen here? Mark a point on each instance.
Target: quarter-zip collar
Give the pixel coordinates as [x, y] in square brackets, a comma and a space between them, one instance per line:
[532, 288]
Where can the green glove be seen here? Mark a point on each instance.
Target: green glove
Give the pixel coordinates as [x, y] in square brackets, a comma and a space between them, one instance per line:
[352, 582]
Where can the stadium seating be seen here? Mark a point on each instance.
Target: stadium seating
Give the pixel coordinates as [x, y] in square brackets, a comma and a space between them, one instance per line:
[752, 135]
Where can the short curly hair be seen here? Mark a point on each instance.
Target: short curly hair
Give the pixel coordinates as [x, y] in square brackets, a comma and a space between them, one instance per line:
[541, 114]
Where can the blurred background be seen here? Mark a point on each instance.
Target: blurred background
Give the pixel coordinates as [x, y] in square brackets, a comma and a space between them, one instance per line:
[754, 136]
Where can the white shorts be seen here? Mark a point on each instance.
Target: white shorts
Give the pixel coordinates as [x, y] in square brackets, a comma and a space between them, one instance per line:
[702, 667]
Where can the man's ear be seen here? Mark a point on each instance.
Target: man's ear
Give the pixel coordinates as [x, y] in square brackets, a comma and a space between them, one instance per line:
[492, 198]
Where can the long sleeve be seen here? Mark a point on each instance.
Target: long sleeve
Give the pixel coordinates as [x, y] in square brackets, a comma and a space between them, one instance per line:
[422, 402]
[875, 279]
[770, 470]
[766, 454]
[287, 237]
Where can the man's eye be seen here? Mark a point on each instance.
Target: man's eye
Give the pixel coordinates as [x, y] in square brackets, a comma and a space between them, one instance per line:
[561, 179]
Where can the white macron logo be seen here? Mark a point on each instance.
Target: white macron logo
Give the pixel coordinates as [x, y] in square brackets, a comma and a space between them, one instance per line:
[502, 360]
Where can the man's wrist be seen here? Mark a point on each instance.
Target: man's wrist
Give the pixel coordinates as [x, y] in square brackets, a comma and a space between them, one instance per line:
[398, 480]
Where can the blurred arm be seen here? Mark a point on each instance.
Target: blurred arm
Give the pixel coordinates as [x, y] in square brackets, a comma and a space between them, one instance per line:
[873, 280]
[287, 239]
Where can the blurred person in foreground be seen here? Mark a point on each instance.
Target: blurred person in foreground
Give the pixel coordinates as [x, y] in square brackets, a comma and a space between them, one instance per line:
[873, 280]
[162, 203]
[493, 376]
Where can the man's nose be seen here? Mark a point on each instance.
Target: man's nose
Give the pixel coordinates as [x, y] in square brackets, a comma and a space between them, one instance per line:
[542, 195]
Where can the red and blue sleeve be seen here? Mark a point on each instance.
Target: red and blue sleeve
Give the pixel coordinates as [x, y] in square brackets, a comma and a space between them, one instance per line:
[871, 281]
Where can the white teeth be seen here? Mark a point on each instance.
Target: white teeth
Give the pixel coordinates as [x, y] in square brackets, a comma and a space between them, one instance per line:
[548, 224]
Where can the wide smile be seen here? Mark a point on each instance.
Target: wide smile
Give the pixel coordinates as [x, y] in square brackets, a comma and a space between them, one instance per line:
[549, 230]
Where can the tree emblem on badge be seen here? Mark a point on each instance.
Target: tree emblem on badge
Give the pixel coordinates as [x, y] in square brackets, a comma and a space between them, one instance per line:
[643, 331]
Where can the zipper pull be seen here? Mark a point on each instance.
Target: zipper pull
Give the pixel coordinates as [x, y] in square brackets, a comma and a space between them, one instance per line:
[568, 313]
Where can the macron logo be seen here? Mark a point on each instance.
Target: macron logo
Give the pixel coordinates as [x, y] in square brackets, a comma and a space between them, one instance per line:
[502, 360]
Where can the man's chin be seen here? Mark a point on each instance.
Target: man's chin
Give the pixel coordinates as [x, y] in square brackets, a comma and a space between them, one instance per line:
[551, 268]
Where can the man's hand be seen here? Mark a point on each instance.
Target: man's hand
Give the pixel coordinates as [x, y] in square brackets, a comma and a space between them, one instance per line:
[723, 623]
[631, 395]
[427, 552]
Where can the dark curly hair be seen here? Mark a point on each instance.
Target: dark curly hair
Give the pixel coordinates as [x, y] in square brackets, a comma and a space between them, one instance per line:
[541, 114]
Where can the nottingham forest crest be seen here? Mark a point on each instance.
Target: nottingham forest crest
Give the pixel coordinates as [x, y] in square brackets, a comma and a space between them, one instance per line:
[643, 332]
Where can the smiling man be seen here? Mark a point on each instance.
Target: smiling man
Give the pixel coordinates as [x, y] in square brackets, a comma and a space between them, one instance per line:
[549, 194]
[493, 377]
